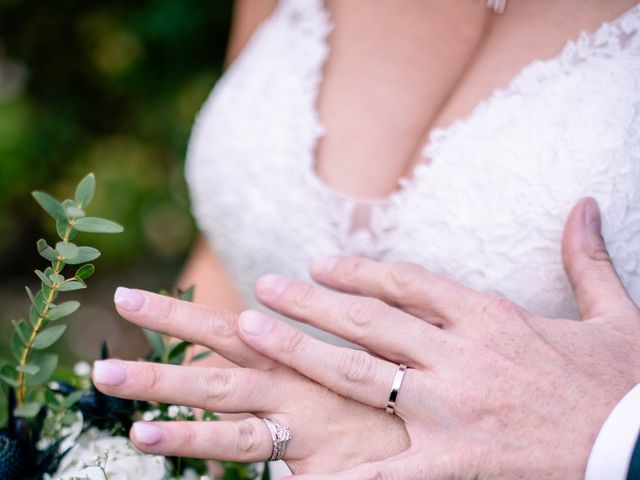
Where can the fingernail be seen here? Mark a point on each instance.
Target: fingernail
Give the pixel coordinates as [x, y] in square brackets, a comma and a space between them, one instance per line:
[128, 299]
[147, 433]
[271, 285]
[592, 217]
[108, 373]
[254, 323]
[324, 265]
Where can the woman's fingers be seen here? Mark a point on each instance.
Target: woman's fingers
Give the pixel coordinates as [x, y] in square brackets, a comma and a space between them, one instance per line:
[243, 441]
[194, 323]
[351, 373]
[369, 322]
[595, 282]
[411, 287]
[225, 390]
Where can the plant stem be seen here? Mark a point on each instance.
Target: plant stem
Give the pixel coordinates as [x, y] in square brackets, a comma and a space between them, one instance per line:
[57, 268]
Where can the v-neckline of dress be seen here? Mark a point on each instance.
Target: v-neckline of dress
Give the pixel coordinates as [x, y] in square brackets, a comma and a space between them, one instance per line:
[438, 136]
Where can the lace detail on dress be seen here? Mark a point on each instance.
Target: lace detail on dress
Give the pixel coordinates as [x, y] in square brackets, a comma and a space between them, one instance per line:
[487, 209]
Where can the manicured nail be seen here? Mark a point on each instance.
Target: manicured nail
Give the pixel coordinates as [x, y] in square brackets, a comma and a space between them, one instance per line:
[108, 373]
[254, 323]
[147, 433]
[271, 285]
[324, 265]
[592, 218]
[128, 299]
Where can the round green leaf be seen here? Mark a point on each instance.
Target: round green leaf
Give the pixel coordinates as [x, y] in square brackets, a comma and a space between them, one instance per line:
[47, 363]
[68, 250]
[48, 336]
[28, 410]
[50, 205]
[85, 271]
[85, 190]
[58, 311]
[97, 225]
[85, 254]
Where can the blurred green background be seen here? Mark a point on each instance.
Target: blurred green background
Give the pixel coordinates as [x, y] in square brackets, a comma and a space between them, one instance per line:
[110, 87]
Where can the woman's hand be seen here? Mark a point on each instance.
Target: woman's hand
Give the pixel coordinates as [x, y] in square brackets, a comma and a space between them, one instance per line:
[327, 429]
[491, 391]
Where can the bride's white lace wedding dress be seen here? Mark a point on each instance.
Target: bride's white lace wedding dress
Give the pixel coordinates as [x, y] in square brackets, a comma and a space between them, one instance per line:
[487, 205]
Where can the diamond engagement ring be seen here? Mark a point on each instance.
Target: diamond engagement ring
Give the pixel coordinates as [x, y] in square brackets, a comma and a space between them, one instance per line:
[280, 435]
[395, 388]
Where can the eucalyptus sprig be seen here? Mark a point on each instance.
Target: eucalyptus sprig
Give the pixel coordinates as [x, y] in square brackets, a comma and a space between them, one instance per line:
[33, 367]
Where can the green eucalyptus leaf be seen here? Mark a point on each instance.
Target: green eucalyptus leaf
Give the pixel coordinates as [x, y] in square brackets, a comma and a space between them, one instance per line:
[45, 279]
[200, 356]
[33, 316]
[68, 250]
[29, 369]
[74, 212]
[28, 410]
[50, 205]
[85, 190]
[30, 295]
[62, 310]
[85, 271]
[71, 399]
[56, 278]
[176, 351]
[17, 346]
[85, 254]
[46, 251]
[156, 341]
[9, 375]
[97, 225]
[71, 285]
[187, 295]
[52, 399]
[48, 336]
[47, 363]
[22, 329]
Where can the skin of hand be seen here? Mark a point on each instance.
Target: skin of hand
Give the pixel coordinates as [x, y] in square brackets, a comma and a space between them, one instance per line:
[327, 429]
[492, 391]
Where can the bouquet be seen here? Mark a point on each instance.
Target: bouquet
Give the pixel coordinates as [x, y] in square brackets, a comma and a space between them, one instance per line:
[60, 427]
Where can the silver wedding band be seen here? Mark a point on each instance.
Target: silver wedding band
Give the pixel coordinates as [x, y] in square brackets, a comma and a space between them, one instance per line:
[395, 388]
[280, 435]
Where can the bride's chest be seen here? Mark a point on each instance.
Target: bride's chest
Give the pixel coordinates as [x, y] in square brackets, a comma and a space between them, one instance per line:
[487, 210]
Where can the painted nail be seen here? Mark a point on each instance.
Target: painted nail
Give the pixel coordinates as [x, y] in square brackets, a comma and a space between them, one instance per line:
[271, 285]
[108, 373]
[592, 217]
[324, 265]
[147, 433]
[254, 323]
[127, 299]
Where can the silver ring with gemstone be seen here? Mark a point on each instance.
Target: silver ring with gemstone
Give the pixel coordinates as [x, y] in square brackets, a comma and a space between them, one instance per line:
[280, 435]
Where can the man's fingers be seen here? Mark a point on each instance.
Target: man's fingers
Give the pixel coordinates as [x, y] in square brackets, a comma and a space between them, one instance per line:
[369, 322]
[596, 284]
[429, 296]
[351, 373]
[243, 441]
[228, 390]
[194, 323]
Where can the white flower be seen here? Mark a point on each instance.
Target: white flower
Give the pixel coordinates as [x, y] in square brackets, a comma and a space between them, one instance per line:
[98, 453]
[53, 432]
[173, 411]
[148, 416]
[82, 369]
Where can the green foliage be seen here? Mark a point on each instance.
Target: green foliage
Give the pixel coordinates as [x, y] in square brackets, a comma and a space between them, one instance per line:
[32, 368]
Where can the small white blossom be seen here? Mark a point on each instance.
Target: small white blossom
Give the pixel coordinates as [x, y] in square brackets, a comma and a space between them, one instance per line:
[173, 411]
[97, 453]
[82, 369]
[148, 416]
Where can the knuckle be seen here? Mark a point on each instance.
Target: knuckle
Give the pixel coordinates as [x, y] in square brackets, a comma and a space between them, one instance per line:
[218, 385]
[292, 343]
[356, 366]
[188, 436]
[364, 313]
[221, 324]
[302, 295]
[151, 378]
[403, 275]
[498, 308]
[247, 439]
[167, 312]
